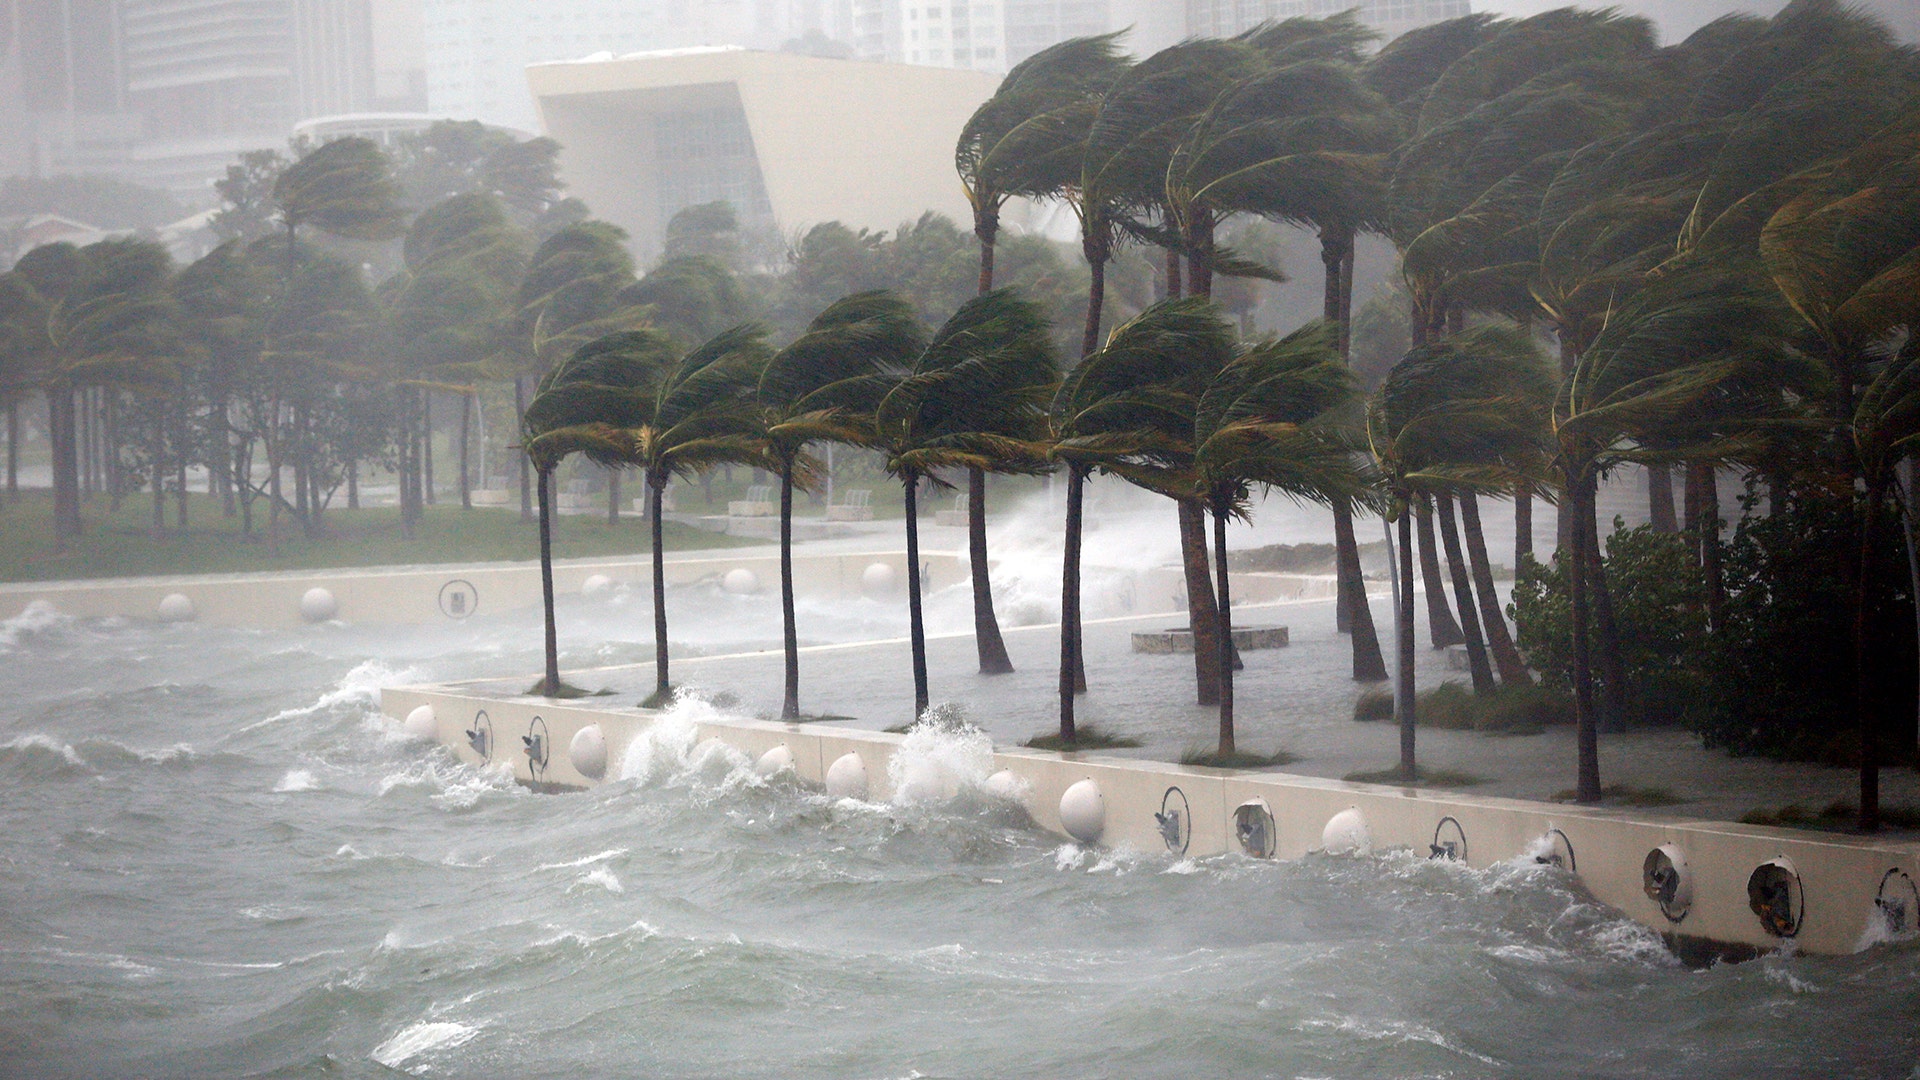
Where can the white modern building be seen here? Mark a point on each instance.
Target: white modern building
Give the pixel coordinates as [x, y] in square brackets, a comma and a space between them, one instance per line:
[790, 140]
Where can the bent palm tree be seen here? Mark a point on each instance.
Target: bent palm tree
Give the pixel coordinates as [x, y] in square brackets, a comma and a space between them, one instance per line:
[1117, 405]
[824, 387]
[975, 396]
[602, 443]
[1468, 413]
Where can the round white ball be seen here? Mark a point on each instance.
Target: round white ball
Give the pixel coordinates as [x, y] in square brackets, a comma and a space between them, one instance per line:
[318, 605]
[176, 607]
[420, 724]
[596, 585]
[1005, 785]
[773, 762]
[1083, 812]
[588, 752]
[1346, 833]
[878, 578]
[847, 777]
[741, 581]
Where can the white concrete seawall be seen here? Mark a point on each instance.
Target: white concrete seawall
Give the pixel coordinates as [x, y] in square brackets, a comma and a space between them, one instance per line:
[1846, 891]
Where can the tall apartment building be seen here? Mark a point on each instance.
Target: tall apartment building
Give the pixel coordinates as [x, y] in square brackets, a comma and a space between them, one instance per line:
[62, 106]
[1219, 18]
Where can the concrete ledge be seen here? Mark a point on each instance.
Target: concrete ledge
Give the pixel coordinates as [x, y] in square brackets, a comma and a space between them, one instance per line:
[1840, 876]
[1180, 639]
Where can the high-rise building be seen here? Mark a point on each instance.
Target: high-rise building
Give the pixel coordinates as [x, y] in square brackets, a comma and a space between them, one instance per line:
[211, 79]
[62, 109]
[1219, 18]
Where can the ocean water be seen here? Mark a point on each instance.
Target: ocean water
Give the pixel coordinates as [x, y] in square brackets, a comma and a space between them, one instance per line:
[218, 859]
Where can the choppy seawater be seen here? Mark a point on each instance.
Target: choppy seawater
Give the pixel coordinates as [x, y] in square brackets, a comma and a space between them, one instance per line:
[218, 859]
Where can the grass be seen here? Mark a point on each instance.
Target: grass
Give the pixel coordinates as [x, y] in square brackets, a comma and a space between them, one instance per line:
[1839, 816]
[1509, 710]
[568, 691]
[120, 544]
[1239, 759]
[1628, 795]
[1085, 737]
[1422, 777]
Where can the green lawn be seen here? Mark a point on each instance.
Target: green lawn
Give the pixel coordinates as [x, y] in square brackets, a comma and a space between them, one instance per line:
[122, 545]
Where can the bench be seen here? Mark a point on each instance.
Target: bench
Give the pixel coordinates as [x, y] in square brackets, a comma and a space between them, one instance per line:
[857, 507]
[758, 503]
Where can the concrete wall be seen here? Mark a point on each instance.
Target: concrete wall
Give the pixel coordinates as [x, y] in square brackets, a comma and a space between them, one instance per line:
[1840, 875]
[426, 594]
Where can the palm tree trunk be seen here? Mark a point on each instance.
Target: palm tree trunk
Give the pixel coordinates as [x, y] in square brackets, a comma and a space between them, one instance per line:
[1613, 669]
[1587, 787]
[916, 624]
[13, 449]
[1506, 657]
[426, 449]
[988, 643]
[86, 445]
[1203, 617]
[662, 687]
[159, 474]
[613, 496]
[61, 425]
[180, 473]
[1225, 653]
[1660, 499]
[1174, 289]
[1865, 703]
[1199, 271]
[1403, 699]
[1463, 597]
[1522, 526]
[353, 483]
[789, 628]
[1441, 629]
[546, 583]
[1368, 664]
[519, 424]
[466, 440]
[1070, 603]
[110, 436]
[1710, 547]
[986, 226]
[1347, 584]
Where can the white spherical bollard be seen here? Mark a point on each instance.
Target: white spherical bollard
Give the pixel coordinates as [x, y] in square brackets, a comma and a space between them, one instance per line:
[1083, 812]
[773, 762]
[878, 578]
[318, 605]
[847, 778]
[741, 581]
[420, 724]
[1346, 834]
[1005, 785]
[588, 752]
[596, 585]
[176, 607]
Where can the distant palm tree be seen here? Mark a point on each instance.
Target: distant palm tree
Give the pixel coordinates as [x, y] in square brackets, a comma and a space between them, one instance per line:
[824, 387]
[976, 395]
[1468, 412]
[679, 411]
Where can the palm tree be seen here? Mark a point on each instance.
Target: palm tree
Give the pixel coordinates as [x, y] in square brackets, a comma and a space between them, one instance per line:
[976, 395]
[1026, 140]
[824, 387]
[680, 411]
[1843, 252]
[1467, 412]
[1268, 418]
[549, 436]
[1120, 404]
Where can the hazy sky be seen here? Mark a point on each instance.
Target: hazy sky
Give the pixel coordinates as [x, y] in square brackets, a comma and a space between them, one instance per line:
[1678, 18]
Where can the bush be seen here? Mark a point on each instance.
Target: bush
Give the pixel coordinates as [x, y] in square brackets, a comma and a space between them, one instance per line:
[1659, 603]
[1780, 667]
[1509, 710]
